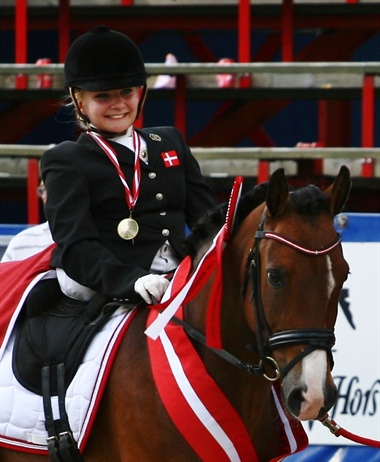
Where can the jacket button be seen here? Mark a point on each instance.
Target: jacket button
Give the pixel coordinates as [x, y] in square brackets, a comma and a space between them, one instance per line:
[159, 196]
[165, 232]
[152, 175]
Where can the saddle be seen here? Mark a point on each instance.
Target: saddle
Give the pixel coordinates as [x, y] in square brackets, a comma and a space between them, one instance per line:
[52, 336]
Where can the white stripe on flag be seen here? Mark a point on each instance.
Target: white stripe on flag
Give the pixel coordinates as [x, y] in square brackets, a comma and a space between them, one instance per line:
[195, 403]
[288, 430]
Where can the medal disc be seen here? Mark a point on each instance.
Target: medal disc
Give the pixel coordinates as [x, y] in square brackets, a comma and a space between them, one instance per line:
[128, 229]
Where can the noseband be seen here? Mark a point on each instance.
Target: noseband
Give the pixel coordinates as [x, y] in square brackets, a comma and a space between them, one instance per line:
[266, 340]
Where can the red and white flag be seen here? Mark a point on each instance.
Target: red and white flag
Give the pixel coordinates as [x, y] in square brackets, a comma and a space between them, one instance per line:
[170, 159]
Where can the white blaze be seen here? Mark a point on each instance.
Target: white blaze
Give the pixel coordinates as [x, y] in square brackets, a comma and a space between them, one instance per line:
[330, 278]
[314, 368]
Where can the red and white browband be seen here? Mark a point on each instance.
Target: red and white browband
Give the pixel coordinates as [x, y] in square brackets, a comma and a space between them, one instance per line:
[300, 248]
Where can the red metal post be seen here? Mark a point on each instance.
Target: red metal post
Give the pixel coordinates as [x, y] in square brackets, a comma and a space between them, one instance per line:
[287, 30]
[33, 200]
[126, 2]
[263, 171]
[64, 29]
[368, 125]
[318, 164]
[261, 138]
[244, 39]
[323, 121]
[180, 105]
[244, 56]
[44, 80]
[244, 25]
[21, 39]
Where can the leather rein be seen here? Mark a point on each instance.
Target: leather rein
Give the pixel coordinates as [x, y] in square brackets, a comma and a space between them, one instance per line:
[314, 338]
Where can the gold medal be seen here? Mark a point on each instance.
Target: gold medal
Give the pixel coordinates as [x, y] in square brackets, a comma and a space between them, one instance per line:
[127, 229]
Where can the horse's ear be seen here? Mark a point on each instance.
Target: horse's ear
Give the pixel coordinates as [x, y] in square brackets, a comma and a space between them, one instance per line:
[277, 193]
[337, 194]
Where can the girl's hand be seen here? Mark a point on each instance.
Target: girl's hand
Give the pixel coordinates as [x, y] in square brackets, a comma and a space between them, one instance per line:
[151, 287]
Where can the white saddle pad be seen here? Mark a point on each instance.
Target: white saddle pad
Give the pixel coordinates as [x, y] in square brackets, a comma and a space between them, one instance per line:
[22, 419]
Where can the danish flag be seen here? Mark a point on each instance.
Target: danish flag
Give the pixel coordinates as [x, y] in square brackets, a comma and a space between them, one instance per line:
[170, 159]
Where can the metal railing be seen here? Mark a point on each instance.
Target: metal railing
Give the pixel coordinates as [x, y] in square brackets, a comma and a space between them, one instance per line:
[214, 162]
[358, 68]
[223, 153]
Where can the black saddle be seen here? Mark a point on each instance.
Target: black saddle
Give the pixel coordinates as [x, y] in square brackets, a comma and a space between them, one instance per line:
[53, 330]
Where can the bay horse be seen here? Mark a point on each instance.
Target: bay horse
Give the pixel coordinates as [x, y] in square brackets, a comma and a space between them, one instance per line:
[282, 273]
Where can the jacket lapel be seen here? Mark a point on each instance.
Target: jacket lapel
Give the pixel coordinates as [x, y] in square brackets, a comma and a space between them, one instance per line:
[154, 144]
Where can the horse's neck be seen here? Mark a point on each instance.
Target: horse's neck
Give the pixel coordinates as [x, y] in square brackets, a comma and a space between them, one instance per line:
[251, 396]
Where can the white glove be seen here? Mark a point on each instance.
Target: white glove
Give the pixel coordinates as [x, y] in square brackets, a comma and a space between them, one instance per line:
[151, 287]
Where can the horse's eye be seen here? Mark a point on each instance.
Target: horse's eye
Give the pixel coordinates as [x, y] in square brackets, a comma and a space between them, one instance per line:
[275, 278]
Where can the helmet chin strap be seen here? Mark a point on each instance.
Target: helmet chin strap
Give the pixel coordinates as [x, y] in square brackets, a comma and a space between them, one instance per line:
[92, 128]
[83, 118]
[143, 94]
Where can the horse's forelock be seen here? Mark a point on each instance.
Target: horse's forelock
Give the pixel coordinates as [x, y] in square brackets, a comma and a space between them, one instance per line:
[309, 200]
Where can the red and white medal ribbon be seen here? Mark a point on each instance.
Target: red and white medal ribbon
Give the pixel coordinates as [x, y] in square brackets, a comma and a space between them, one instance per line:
[131, 196]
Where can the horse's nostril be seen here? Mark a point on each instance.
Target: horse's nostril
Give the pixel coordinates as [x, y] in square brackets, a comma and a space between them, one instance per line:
[330, 399]
[295, 399]
[331, 395]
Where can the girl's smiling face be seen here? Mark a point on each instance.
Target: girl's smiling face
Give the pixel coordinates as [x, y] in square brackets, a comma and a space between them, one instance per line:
[111, 110]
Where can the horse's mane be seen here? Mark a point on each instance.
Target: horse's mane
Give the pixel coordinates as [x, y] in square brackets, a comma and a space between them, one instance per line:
[208, 225]
[308, 200]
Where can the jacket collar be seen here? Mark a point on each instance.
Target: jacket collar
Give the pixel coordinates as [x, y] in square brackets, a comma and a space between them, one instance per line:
[153, 141]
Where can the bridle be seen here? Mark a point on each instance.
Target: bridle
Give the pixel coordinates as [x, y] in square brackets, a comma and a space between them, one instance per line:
[267, 341]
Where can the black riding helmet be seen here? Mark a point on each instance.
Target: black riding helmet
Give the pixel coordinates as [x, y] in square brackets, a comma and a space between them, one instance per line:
[104, 59]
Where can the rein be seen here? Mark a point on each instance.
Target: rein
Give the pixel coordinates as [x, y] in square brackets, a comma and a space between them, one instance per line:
[314, 338]
[199, 337]
[337, 430]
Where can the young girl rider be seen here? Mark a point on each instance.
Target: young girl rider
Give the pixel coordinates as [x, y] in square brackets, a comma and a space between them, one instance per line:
[119, 198]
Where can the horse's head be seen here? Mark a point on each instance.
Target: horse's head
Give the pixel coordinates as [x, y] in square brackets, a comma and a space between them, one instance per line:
[296, 271]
